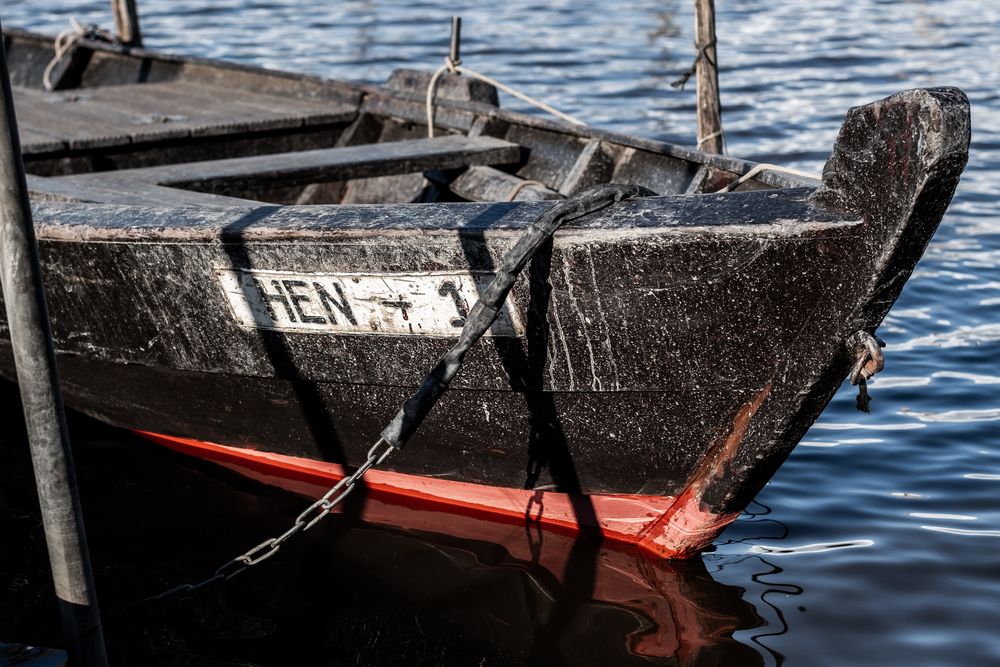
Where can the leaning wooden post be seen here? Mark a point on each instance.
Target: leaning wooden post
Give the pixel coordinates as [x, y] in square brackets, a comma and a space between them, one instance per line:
[31, 340]
[127, 22]
[710, 137]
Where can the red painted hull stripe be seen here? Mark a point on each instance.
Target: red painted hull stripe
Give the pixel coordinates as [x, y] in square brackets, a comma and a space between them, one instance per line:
[659, 526]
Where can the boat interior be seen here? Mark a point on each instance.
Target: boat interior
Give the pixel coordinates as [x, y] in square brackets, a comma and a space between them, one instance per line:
[120, 125]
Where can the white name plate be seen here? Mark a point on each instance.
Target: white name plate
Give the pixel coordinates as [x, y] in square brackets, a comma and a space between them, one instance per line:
[408, 304]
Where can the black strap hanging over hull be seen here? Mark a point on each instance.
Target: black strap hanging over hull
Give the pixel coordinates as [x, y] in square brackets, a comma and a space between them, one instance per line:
[487, 308]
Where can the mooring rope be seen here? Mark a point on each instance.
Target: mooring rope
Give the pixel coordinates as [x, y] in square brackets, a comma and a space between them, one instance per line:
[717, 133]
[455, 67]
[67, 39]
[516, 190]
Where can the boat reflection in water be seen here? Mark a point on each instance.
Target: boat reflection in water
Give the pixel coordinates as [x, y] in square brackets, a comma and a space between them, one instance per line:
[378, 583]
[548, 594]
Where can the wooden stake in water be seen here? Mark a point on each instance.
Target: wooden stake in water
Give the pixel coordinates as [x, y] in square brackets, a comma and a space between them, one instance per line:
[127, 22]
[51, 457]
[710, 137]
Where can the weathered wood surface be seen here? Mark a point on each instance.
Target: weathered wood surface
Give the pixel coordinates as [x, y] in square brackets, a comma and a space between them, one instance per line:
[456, 110]
[120, 115]
[648, 275]
[111, 190]
[740, 348]
[304, 167]
[127, 22]
[593, 166]
[489, 184]
[710, 137]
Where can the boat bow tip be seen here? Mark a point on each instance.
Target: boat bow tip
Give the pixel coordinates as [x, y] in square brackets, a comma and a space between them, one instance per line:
[888, 152]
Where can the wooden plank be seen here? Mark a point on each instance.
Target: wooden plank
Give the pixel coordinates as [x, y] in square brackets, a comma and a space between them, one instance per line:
[137, 113]
[300, 168]
[699, 178]
[592, 166]
[157, 111]
[59, 115]
[34, 141]
[105, 188]
[404, 188]
[662, 174]
[213, 111]
[489, 184]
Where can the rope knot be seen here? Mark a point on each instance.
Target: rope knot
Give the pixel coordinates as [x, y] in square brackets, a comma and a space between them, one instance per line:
[67, 39]
[868, 360]
[682, 80]
[454, 66]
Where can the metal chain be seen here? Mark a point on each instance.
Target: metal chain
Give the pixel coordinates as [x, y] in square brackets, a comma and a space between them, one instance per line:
[303, 522]
[411, 414]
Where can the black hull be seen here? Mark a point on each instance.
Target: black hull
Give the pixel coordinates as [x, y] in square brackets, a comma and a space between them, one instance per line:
[676, 345]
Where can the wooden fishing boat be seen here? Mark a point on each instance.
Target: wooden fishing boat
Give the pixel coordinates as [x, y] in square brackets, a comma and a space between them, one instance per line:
[258, 268]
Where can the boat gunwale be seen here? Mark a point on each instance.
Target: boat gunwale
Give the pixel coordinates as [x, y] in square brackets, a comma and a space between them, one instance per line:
[754, 214]
[357, 93]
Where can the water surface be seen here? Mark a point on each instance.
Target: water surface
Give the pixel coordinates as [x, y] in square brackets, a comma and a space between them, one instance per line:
[876, 543]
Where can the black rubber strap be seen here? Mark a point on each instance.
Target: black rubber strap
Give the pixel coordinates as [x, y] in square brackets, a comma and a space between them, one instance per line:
[485, 312]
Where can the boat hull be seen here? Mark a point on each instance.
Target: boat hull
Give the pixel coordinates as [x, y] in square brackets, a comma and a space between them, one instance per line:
[638, 347]
[675, 347]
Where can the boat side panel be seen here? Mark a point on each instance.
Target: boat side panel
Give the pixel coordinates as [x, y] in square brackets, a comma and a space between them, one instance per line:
[604, 312]
[641, 347]
[623, 442]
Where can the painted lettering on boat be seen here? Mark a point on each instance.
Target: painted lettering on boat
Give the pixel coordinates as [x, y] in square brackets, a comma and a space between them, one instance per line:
[421, 304]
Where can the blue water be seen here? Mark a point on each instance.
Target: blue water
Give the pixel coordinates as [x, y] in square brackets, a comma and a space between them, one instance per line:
[878, 542]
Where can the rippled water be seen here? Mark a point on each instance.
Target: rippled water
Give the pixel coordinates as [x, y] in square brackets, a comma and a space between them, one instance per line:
[876, 542]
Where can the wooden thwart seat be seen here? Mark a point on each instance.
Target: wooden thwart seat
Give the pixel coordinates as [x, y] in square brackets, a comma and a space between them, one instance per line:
[328, 164]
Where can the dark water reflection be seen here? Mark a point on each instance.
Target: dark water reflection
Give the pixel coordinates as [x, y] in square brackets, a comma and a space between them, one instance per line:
[880, 545]
[347, 592]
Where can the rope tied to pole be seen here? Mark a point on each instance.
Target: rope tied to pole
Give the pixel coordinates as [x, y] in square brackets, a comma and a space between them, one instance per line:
[707, 138]
[69, 38]
[682, 80]
[454, 66]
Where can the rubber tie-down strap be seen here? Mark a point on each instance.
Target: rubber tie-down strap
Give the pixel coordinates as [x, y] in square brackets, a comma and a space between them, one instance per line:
[492, 298]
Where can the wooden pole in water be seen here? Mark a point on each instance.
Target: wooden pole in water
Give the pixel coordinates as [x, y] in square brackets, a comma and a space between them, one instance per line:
[127, 22]
[710, 137]
[51, 457]
[454, 52]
